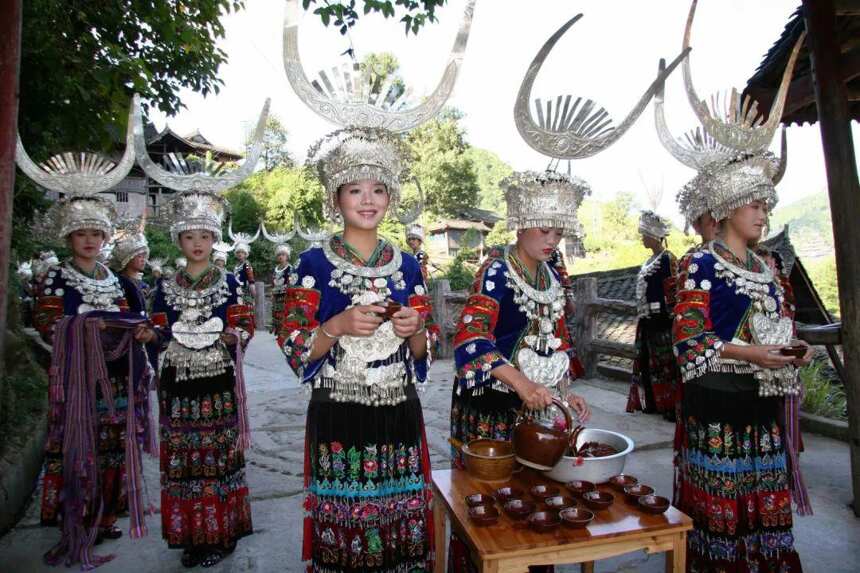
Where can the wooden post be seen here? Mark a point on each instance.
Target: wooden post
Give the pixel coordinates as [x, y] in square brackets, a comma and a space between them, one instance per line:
[584, 294]
[442, 287]
[844, 190]
[10, 59]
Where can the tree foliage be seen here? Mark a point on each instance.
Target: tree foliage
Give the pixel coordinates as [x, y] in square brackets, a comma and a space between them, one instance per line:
[343, 14]
[377, 67]
[490, 170]
[275, 152]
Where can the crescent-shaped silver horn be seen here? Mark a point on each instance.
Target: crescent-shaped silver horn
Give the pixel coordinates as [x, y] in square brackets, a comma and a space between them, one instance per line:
[572, 137]
[230, 231]
[315, 237]
[198, 181]
[255, 237]
[783, 159]
[96, 174]
[360, 113]
[701, 148]
[744, 130]
[414, 212]
[277, 238]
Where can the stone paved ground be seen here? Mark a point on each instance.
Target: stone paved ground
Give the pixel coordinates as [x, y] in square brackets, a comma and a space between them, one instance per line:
[827, 541]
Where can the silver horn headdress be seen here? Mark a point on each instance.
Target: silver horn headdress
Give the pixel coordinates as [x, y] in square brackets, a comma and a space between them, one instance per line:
[281, 240]
[562, 131]
[242, 241]
[80, 177]
[368, 146]
[128, 242]
[198, 204]
[731, 155]
[653, 225]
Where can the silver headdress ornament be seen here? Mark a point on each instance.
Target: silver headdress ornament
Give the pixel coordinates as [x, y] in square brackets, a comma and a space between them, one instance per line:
[128, 242]
[368, 147]
[80, 177]
[653, 225]
[551, 199]
[157, 265]
[220, 250]
[181, 262]
[46, 260]
[25, 271]
[415, 231]
[314, 237]
[242, 241]
[281, 240]
[741, 170]
[198, 205]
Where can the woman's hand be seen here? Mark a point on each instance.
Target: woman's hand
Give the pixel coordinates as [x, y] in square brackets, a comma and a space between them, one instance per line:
[579, 406]
[768, 356]
[807, 357]
[143, 334]
[535, 396]
[362, 320]
[406, 322]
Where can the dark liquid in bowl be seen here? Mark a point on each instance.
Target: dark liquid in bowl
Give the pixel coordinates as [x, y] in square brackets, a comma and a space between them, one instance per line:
[592, 450]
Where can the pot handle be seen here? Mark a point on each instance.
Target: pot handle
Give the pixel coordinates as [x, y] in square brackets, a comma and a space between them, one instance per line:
[457, 444]
[568, 415]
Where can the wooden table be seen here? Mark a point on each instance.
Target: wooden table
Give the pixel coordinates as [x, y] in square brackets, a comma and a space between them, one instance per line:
[510, 547]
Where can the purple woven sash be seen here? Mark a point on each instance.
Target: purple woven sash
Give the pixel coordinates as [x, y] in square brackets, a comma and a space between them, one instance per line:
[79, 367]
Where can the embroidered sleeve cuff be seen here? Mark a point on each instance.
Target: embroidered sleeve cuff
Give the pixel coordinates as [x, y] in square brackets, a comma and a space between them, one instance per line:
[475, 372]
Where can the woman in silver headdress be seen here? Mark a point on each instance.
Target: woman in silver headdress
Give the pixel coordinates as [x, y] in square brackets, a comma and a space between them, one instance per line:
[733, 336]
[203, 327]
[280, 274]
[655, 373]
[99, 399]
[357, 330]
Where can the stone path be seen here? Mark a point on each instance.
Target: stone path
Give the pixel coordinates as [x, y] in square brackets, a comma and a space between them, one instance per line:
[827, 541]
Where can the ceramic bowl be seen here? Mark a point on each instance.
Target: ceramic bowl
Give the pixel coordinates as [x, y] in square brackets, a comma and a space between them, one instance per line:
[519, 508]
[653, 504]
[597, 500]
[558, 502]
[621, 481]
[543, 491]
[489, 460]
[543, 521]
[576, 517]
[503, 494]
[579, 487]
[479, 499]
[634, 492]
[484, 514]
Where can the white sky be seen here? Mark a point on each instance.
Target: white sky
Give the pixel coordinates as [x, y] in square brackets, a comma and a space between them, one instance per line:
[610, 56]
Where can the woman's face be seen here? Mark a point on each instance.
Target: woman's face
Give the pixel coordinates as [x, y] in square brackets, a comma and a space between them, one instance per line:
[137, 263]
[281, 258]
[539, 243]
[86, 243]
[706, 227]
[414, 243]
[748, 221]
[196, 245]
[651, 242]
[363, 203]
[241, 255]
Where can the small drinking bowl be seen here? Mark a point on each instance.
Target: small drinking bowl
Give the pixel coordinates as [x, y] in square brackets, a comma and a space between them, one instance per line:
[579, 487]
[503, 494]
[479, 499]
[484, 514]
[634, 492]
[559, 502]
[621, 481]
[576, 517]
[543, 521]
[653, 504]
[597, 500]
[543, 491]
[519, 508]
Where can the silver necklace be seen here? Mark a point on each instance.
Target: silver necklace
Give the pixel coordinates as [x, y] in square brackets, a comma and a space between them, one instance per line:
[355, 280]
[195, 304]
[96, 294]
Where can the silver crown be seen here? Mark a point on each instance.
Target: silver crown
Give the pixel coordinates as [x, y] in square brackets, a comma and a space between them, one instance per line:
[653, 225]
[281, 240]
[80, 177]
[157, 265]
[415, 231]
[128, 242]
[731, 155]
[220, 251]
[548, 199]
[242, 241]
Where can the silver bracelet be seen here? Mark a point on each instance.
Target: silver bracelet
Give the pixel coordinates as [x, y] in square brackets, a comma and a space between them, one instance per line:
[328, 335]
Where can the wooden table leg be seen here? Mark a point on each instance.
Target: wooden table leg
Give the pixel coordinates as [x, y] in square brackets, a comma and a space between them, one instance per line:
[587, 567]
[440, 517]
[676, 559]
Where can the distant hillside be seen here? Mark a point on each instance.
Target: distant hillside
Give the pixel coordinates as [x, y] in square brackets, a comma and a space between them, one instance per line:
[809, 221]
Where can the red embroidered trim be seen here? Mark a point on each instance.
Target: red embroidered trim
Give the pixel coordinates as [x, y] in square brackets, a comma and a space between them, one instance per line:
[484, 311]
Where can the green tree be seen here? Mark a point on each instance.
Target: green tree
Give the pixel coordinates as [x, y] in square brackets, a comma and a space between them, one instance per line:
[500, 235]
[286, 193]
[490, 170]
[376, 68]
[415, 13]
[446, 172]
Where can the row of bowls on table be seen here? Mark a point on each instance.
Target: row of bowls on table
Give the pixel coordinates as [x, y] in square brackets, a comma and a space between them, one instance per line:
[561, 508]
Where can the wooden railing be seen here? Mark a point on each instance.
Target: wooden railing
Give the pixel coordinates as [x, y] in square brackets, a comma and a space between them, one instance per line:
[584, 324]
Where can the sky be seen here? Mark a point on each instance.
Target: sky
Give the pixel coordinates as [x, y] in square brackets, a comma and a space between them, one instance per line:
[609, 56]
